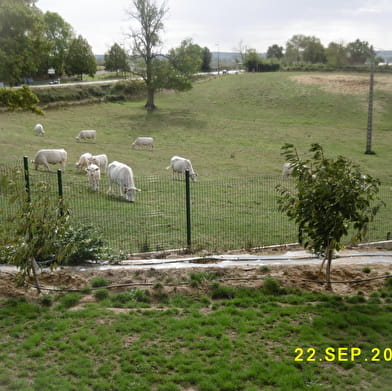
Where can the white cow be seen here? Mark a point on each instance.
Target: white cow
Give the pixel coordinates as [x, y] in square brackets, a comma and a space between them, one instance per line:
[94, 176]
[39, 130]
[147, 142]
[86, 135]
[179, 165]
[122, 175]
[83, 161]
[50, 156]
[99, 160]
[287, 169]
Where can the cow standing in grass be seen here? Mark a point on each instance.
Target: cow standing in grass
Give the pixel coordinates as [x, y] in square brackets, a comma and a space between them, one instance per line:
[179, 165]
[122, 175]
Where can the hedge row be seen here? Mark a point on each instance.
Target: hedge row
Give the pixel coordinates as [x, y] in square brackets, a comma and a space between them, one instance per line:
[123, 90]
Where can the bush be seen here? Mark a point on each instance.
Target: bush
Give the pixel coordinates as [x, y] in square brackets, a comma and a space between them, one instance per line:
[98, 282]
[70, 300]
[101, 294]
[46, 300]
[222, 292]
[87, 244]
[272, 287]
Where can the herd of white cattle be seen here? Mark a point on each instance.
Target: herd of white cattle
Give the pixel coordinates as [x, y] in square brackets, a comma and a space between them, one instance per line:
[118, 173]
[94, 165]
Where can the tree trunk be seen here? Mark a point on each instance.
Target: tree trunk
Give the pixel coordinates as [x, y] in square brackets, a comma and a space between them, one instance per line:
[328, 269]
[150, 99]
[33, 266]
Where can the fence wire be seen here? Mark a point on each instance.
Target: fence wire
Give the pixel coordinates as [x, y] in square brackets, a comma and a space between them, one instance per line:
[226, 213]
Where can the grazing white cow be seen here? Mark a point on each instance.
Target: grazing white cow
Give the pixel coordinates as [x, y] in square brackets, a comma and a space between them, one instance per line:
[122, 175]
[39, 130]
[99, 160]
[179, 165]
[45, 157]
[86, 135]
[147, 142]
[83, 161]
[287, 169]
[94, 176]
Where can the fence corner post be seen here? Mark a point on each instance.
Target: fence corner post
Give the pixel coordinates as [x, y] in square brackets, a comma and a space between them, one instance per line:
[188, 210]
[60, 190]
[27, 177]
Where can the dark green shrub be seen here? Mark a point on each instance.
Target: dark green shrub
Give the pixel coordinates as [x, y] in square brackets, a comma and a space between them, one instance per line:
[46, 300]
[98, 282]
[272, 287]
[130, 298]
[70, 300]
[87, 244]
[222, 292]
[101, 294]
[356, 299]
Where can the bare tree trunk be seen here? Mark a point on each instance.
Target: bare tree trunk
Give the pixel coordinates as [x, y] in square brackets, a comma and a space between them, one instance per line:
[150, 99]
[328, 269]
[34, 266]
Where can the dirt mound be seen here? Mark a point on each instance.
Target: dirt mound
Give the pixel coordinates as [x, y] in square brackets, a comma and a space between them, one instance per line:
[349, 278]
[344, 84]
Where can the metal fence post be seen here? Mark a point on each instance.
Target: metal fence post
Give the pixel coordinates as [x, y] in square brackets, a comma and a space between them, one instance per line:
[27, 177]
[60, 190]
[188, 209]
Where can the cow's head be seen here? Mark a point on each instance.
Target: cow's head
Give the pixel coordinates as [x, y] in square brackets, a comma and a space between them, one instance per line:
[193, 176]
[130, 193]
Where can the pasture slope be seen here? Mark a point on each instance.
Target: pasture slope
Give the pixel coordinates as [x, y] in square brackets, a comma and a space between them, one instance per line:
[205, 330]
[228, 126]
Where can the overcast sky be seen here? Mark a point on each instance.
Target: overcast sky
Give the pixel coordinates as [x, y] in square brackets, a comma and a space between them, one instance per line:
[223, 24]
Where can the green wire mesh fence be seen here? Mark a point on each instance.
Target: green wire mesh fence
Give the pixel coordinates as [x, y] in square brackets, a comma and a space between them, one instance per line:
[225, 213]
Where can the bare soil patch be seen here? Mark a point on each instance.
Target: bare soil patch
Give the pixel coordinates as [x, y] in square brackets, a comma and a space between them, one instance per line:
[345, 84]
[303, 277]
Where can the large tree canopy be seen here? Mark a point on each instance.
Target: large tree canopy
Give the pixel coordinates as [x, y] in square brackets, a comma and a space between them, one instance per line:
[80, 58]
[22, 41]
[116, 59]
[60, 34]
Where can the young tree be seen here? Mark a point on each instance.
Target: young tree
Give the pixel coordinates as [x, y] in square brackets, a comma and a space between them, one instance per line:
[173, 71]
[252, 60]
[116, 59]
[301, 48]
[336, 54]
[331, 197]
[148, 17]
[359, 52]
[80, 58]
[313, 51]
[275, 51]
[37, 226]
[206, 57]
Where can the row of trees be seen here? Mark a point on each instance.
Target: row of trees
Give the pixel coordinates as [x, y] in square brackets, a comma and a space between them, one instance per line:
[31, 42]
[309, 50]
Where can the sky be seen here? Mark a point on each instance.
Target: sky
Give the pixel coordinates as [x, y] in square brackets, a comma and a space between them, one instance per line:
[225, 25]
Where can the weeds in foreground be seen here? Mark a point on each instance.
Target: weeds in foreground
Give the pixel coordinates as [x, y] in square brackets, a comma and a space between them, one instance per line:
[223, 338]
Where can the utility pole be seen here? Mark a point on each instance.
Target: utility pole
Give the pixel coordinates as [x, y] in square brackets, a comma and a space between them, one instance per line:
[370, 113]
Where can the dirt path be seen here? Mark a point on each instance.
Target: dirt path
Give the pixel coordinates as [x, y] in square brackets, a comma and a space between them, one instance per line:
[290, 273]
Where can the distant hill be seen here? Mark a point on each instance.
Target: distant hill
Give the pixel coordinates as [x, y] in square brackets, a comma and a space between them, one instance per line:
[231, 59]
[385, 54]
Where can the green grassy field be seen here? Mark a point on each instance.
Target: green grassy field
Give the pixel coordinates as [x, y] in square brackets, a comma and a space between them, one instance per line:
[230, 127]
[222, 338]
